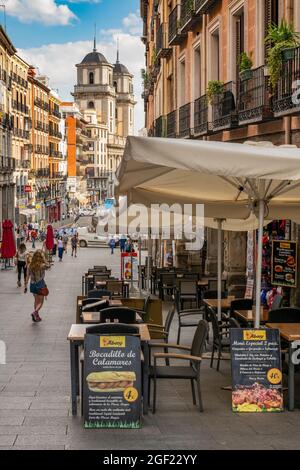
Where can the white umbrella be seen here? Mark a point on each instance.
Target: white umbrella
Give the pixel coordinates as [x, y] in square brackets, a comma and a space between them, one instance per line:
[232, 180]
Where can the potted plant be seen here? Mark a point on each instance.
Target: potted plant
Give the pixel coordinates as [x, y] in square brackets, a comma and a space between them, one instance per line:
[282, 40]
[214, 87]
[245, 65]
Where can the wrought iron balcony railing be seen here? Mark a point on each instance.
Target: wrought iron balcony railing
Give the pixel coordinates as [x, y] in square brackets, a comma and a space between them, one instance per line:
[185, 121]
[172, 124]
[286, 99]
[203, 6]
[188, 15]
[7, 164]
[162, 43]
[224, 110]
[254, 104]
[160, 127]
[176, 36]
[202, 125]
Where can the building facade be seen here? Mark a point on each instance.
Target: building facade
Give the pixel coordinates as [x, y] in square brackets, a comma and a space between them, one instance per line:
[104, 95]
[193, 88]
[7, 162]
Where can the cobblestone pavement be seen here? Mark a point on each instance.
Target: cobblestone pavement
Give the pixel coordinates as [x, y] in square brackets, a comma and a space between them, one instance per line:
[35, 384]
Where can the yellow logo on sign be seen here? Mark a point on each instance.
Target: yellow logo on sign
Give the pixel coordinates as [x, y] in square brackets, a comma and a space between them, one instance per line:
[285, 245]
[112, 342]
[255, 335]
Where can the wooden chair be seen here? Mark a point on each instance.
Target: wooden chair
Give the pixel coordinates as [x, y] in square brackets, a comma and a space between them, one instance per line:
[116, 288]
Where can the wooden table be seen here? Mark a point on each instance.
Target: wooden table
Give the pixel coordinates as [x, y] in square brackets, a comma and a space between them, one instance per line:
[225, 303]
[291, 333]
[94, 317]
[76, 339]
[248, 317]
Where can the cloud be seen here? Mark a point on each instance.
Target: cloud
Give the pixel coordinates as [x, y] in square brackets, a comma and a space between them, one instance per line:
[45, 11]
[58, 62]
[133, 23]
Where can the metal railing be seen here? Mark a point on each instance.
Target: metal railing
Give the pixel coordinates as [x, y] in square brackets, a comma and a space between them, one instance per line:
[172, 124]
[286, 99]
[224, 109]
[175, 36]
[43, 173]
[203, 6]
[7, 163]
[162, 43]
[201, 124]
[185, 120]
[254, 97]
[160, 127]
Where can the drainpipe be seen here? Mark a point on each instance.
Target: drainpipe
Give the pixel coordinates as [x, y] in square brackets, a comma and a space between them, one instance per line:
[204, 77]
[288, 119]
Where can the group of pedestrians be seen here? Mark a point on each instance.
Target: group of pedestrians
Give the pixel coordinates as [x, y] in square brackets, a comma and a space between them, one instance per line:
[61, 244]
[126, 244]
[29, 233]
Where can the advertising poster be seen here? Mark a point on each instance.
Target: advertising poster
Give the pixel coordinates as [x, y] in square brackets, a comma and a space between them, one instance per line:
[112, 382]
[284, 263]
[130, 266]
[256, 370]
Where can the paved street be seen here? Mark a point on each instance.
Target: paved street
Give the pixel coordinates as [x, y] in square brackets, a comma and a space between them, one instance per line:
[35, 384]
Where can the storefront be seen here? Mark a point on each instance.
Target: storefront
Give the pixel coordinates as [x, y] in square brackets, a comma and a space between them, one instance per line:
[53, 210]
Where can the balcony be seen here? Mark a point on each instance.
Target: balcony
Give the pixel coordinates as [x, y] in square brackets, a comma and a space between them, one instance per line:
[57, 176]
[172, 125]
[19, 80]
[286, 100]
[224, 109]
[25, 164]
[160, 127]
[55, 113]
[43, 173]
[254, 98]
[202, 125]
[55, 154]
[7, 164]
[55, 134]
[21, 133]
[188, 15]
[185, 121]
[42, 150]
[162, 44]
[176, 36]
[203, 6]
[17, 106]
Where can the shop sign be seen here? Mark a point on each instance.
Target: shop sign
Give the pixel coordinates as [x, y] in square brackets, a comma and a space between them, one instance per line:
[256, 370]
[284, 263]
[27, 189]
[112, 382]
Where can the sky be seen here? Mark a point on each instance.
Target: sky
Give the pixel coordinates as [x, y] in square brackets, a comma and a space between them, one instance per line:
[54, 35]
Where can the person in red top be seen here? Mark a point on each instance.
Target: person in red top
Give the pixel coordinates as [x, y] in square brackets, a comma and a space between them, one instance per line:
[33, 238]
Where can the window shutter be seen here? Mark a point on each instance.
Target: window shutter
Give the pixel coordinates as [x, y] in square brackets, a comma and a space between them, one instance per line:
[271, 16]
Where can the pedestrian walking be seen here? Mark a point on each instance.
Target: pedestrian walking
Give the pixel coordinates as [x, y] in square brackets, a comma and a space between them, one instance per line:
[122, 243]
[74, 243]
[21, 258]
[38, 287]
[112, 245]
[60, 246]
[129, 246]
[65, 241]
[33, 238]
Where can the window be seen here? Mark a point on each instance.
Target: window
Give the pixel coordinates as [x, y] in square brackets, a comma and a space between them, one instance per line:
[197, 72]
[271, 15]
[215, 55]
[182, 83]
[91, 105]
[91, 78]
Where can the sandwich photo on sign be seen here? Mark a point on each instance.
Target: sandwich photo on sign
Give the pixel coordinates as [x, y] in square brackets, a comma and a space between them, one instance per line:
[110, 381]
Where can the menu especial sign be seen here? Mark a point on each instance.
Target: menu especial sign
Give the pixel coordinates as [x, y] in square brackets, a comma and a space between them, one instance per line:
[112, 382]
[284, 263]
[256, 370]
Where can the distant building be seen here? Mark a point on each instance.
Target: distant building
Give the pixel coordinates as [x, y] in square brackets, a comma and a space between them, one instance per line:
[104, 94]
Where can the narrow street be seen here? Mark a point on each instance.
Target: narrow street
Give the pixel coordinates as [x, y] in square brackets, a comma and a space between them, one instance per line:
[35, 383]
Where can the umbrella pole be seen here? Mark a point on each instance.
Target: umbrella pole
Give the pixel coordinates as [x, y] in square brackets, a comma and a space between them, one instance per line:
[140, 266]
[219, 268]
[259, 262]
[148, 265]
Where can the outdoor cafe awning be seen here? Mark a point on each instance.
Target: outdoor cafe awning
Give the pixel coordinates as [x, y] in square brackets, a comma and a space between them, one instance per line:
[231, 180]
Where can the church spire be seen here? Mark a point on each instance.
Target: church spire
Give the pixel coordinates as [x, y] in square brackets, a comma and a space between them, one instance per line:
[95, 39]
[118, 51]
